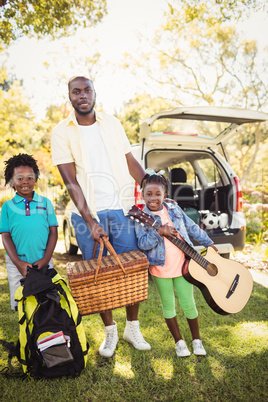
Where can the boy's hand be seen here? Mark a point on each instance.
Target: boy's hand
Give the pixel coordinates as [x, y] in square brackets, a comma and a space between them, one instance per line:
[167, 230]
[41, 263]
[22, 267]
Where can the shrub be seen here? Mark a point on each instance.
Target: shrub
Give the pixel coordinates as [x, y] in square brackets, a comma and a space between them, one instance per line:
[255, 208]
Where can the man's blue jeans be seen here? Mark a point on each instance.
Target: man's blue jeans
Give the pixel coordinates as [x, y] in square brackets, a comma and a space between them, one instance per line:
[119, 228]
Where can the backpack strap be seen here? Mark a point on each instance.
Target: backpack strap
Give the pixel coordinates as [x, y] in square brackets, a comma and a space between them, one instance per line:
[13, 352]
[77, 320]
[10, 346]
[73, 310]
[75, 315]
[25, 326]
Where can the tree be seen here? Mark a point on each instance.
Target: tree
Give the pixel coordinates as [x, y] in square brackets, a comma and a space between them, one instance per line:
[17, 125]
[5, 81]
[50, 17]
[21, 132]
[54, 115]
[248, 155]
[212, 12]
[200, 58]
[137, 109]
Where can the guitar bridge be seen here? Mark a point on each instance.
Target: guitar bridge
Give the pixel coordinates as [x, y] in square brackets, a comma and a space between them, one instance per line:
[233, 286]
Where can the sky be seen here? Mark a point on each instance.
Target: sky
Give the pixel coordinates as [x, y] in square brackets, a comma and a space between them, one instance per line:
[45, 66]
[115, 35]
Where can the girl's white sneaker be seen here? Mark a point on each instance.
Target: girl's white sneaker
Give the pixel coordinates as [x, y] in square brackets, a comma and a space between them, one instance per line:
[198, 348]
[181, 349]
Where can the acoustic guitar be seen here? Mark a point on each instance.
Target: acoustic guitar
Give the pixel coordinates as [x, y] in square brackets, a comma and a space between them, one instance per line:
[225, 284]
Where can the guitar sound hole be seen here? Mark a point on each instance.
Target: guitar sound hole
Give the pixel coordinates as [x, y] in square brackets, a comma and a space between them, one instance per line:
[212, 270]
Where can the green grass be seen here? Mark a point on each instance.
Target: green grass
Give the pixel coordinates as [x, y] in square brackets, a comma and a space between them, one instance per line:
[235, 368]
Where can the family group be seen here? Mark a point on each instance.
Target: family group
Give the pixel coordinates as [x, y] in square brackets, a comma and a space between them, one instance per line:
[93, 155]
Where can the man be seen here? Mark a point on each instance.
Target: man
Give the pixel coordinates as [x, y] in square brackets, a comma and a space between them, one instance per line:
[93, 156]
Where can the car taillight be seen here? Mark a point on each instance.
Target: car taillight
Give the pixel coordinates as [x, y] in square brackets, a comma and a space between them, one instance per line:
[239, 198]
[139, 202]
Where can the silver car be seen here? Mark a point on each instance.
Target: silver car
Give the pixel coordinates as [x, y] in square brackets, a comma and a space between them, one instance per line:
[70, 242]
[185, 142]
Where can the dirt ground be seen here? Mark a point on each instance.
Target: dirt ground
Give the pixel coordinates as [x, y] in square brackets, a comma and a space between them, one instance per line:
[254, 258]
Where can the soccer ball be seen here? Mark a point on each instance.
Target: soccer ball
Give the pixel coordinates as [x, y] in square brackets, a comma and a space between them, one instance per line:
[211, 221]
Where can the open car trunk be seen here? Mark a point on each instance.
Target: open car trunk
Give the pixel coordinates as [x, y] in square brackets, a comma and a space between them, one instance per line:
[200, 185]
[187, 142]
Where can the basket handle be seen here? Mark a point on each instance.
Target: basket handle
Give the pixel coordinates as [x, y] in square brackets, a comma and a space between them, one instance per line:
[105, 241]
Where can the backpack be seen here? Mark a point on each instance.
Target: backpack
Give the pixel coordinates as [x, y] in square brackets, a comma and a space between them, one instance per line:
[52, 341]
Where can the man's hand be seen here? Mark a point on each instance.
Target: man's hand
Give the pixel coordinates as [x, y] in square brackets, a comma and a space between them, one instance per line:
[96, 231]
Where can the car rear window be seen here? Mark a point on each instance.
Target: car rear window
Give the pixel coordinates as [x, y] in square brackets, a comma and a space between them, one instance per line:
[209, 170]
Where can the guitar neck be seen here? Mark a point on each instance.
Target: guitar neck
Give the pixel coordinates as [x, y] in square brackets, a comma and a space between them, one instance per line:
[186, 248]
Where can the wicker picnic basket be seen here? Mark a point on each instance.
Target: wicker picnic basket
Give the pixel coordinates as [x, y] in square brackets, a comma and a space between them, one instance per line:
[108, 282]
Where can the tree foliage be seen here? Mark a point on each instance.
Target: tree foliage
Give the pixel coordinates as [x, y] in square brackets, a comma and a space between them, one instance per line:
[199, 57]
[47, 17]
[211, 12]
[21, 132]
[16, 121]
[137, 109]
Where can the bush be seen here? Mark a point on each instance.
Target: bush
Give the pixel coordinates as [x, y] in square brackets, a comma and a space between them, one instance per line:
[62, 199]
[5, 198]
[255, 208]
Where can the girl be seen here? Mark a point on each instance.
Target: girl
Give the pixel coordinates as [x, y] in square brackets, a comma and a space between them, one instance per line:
[166, 260]
[28, 223]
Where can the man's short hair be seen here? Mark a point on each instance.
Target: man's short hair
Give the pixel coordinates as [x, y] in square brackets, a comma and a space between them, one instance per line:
[75, 77]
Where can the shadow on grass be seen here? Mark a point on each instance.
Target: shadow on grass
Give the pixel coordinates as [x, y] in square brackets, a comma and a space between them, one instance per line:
[235, 367]
[237, 360]
[233, 377]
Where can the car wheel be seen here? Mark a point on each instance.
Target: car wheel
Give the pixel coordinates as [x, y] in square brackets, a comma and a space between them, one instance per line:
[69, 247]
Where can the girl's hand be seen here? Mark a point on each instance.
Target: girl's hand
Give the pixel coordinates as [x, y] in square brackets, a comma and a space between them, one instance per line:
[167, 230]
[22, 267]
[214, 248]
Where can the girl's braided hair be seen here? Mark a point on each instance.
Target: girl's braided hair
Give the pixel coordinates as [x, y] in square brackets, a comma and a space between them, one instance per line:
[20, 160]
[155, 178]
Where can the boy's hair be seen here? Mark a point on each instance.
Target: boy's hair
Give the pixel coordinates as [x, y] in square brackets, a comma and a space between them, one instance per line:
[155, 178]
[20, 160]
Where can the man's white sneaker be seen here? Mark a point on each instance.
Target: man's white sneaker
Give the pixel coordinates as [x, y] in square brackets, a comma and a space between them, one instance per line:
[108, 346]
[132, 334]
[181, 349]
[198, 348]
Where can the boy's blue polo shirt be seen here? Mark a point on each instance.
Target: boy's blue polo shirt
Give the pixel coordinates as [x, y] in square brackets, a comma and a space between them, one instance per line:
[28, 222]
